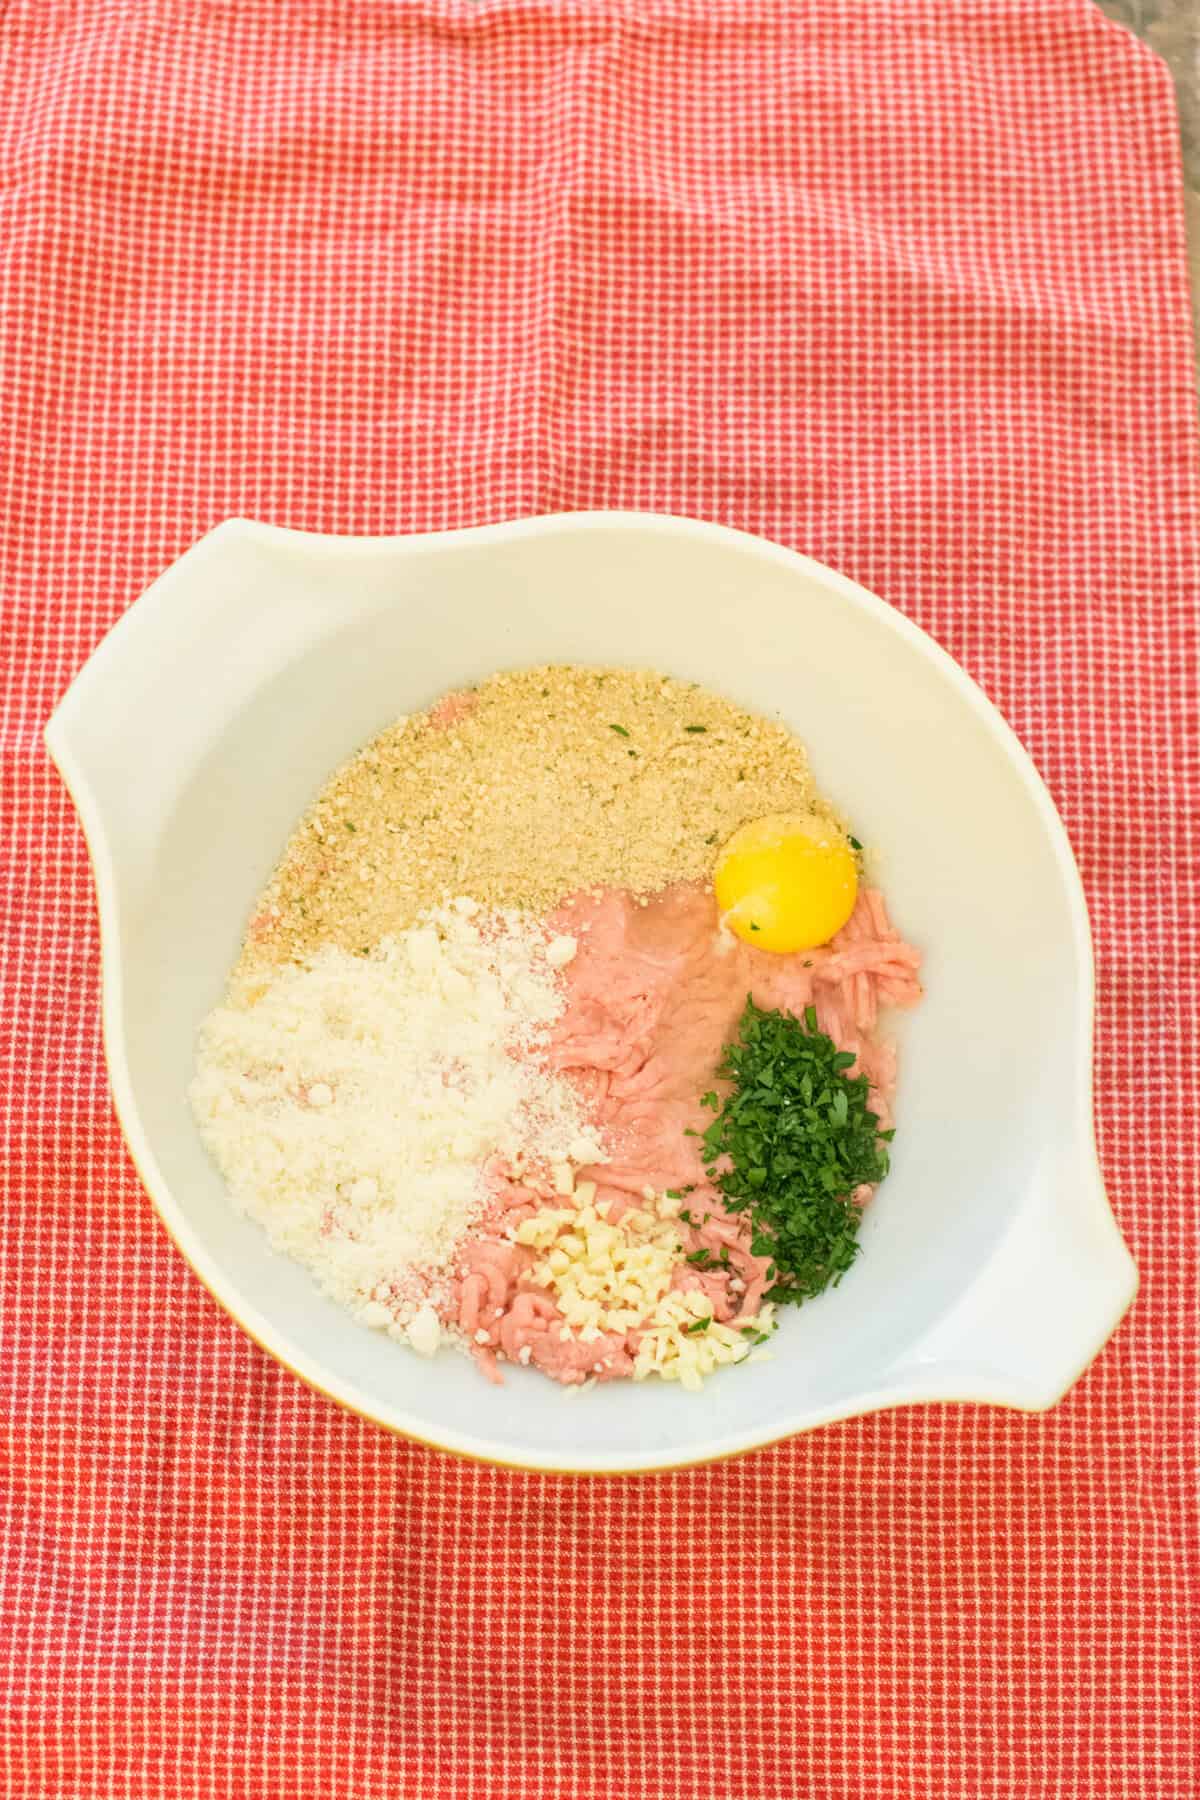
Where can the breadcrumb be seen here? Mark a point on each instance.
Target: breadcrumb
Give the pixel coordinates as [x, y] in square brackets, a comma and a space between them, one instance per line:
[536, 785]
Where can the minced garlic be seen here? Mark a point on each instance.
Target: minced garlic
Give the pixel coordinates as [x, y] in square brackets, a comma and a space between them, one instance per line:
[616, 1276]
[604, 1277]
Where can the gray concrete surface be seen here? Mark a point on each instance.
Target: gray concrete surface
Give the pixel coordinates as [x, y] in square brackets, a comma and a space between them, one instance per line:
[1172, 27]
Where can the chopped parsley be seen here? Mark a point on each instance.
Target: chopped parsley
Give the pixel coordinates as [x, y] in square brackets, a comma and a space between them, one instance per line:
[349, 826]
[792, 1142]
[697, 1326]
[620, 730]
[695, 728]
[854, 844]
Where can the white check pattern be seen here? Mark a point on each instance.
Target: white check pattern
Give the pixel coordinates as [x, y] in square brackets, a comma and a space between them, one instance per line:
[899, 284]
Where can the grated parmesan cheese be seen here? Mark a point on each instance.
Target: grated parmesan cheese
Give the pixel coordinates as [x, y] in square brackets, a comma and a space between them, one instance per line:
[351, 1102]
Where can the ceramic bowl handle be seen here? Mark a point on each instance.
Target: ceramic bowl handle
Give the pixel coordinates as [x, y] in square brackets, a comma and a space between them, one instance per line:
[140, 711]
[1050, 1296]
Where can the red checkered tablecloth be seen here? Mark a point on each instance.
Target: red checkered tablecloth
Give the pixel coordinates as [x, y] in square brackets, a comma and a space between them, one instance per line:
[900, 284]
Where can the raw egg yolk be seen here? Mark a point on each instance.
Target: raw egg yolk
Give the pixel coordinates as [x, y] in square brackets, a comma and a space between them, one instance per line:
[786, 882]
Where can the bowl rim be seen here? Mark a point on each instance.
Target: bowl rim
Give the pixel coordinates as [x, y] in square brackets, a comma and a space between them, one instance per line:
[58, 741]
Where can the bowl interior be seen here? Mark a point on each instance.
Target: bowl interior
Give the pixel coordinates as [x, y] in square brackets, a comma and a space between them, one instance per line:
[302, 648]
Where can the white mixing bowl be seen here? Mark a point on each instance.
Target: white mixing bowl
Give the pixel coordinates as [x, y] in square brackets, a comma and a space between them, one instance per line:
[992, 1269]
